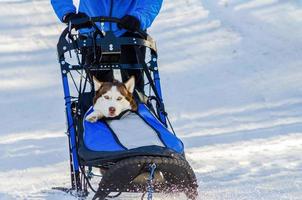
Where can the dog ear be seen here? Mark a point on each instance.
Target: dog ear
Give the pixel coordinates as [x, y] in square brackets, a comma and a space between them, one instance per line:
[143, 98]
[97, 83]
[130, 84]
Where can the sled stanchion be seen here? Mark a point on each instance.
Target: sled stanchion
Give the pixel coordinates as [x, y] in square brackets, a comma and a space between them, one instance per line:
[72, 177]
[154, 83]
[71, 133]
[158, 88]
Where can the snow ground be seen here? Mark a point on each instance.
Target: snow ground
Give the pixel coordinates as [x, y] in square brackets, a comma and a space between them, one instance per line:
[231, 75]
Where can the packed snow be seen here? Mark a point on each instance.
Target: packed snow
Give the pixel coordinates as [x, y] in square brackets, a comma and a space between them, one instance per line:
[231, 76]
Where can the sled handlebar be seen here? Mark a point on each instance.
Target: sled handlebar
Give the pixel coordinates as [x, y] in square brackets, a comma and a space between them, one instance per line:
[106, 19]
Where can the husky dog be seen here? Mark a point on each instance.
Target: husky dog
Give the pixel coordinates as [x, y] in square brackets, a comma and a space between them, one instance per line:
[112, 98]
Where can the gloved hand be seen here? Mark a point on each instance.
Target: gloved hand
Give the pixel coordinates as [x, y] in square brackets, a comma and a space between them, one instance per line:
[130, 23]
[78, 20]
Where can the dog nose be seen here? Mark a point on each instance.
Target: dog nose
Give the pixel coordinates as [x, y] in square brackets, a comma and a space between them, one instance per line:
[112, 109]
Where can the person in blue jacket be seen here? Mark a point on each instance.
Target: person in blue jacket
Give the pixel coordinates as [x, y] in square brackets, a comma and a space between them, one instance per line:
[134, 14]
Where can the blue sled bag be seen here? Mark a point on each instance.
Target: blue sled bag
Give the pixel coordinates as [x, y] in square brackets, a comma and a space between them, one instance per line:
[132, 130]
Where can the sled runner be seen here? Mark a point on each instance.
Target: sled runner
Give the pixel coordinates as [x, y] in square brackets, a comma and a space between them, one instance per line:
[146, 160]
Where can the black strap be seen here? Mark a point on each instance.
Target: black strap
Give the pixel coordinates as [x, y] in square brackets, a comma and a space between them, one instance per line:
[149, 77]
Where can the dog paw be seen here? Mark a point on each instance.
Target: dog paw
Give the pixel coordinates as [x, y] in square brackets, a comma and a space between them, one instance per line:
[92, 118]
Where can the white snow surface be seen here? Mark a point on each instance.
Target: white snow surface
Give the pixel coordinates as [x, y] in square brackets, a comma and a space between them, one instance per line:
[232, 81]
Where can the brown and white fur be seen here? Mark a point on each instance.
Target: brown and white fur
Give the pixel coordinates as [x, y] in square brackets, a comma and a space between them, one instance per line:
[112, 98]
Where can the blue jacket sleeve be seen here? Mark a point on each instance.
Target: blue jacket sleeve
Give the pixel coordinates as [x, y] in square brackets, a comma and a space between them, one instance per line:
[146, 11]
[63, 7]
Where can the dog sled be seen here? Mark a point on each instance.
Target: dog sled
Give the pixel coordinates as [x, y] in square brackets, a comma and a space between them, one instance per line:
[101, 161]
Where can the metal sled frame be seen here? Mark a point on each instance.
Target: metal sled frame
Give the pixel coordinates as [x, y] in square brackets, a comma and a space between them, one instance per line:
[109, 44]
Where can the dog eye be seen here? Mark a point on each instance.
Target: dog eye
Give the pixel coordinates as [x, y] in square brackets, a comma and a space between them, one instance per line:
[106, 97]
[119, 98]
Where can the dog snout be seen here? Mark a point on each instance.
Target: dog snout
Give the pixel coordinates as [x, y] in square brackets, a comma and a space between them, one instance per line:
[112, 109]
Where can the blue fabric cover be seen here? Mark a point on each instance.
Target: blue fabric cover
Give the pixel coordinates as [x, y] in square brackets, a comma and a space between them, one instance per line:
[99, 137]
[144, 10]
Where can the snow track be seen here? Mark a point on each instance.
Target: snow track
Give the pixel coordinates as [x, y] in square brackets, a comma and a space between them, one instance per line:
[231, 75]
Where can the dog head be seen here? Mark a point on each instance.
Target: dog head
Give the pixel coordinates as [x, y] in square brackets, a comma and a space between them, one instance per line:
[112, 98]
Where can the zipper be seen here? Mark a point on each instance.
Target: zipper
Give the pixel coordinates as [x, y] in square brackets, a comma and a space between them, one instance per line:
[110, 14]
